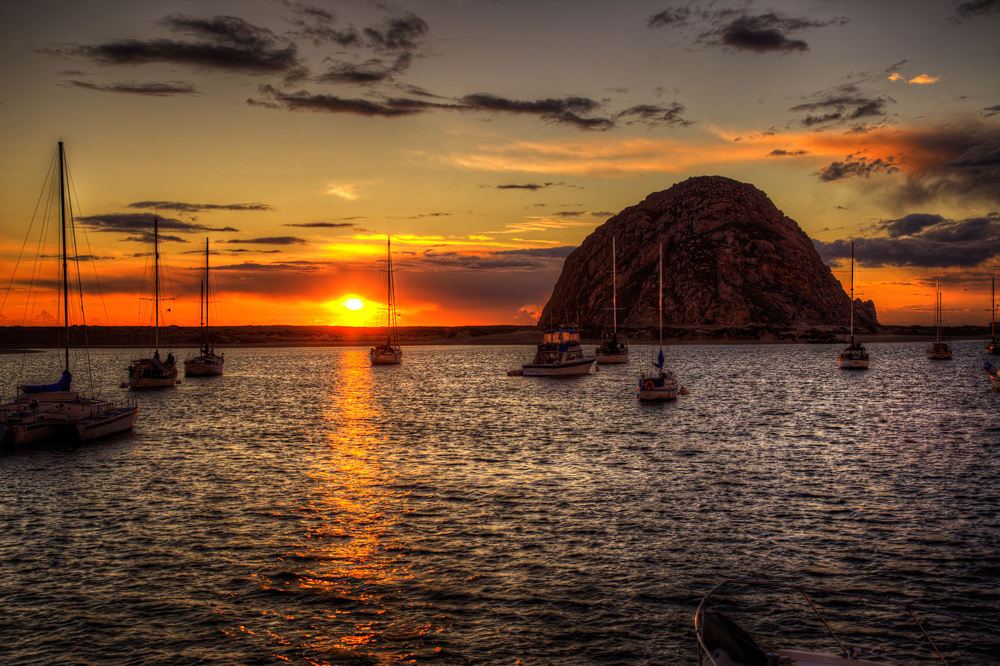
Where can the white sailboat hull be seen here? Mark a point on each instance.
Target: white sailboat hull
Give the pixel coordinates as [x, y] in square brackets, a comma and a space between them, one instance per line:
[65, 415]
[203, 366]
[386, 358]
[580, 366]
[604, 359]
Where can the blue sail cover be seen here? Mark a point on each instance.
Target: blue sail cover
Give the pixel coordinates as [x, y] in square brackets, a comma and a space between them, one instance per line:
[659, 360]
[61, 385]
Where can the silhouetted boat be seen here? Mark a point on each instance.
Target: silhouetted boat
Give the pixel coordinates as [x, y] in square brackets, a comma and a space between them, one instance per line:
[938, 350]
[855, 356]
[613, 351]
[207, 362]
[55, 411]
[390, 353]
[154, 372]
[659, 384]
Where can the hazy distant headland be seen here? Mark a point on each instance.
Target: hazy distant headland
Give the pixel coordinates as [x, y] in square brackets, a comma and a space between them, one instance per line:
[17, 338]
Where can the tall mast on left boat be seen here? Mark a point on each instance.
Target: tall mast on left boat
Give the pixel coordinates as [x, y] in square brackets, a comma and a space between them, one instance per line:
[389, 353]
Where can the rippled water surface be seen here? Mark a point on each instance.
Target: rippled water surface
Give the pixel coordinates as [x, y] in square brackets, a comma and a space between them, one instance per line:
[307, 508]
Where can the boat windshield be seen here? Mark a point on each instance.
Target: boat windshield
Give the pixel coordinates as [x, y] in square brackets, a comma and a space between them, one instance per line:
[561, 336]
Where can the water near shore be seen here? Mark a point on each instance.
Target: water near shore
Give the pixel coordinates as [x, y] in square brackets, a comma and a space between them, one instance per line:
[307, 508]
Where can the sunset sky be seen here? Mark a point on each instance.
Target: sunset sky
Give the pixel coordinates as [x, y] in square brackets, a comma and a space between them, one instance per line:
[490, 138]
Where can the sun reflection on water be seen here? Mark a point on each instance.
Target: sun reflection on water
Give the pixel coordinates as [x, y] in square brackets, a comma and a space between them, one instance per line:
[344, 572]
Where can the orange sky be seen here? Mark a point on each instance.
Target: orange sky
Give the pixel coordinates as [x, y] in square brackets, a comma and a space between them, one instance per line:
[488, 140]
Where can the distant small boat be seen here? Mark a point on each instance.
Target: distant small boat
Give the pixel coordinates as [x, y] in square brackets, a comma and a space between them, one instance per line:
[723, 642]
[390, 353]
[855, 356]
[54, 411]
[559, 355]
[993, 346]
[154, 372]
[660, 384]
[207, 362]
[612, 351]
[938, 350]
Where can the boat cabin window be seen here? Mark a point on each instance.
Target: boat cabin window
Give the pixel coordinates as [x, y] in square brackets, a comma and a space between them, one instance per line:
[557, 337]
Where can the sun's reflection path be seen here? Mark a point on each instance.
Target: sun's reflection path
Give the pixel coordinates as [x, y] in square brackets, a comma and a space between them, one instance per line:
[340, 594]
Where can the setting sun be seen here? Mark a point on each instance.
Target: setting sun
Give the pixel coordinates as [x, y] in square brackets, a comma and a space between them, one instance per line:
[354, 304]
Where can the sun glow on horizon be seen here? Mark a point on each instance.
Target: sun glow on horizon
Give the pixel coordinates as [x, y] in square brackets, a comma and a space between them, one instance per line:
[354, 304]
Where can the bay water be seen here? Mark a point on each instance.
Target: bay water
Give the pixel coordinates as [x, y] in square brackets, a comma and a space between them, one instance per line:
[307, 508]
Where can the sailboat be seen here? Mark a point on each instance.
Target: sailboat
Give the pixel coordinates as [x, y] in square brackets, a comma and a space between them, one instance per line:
[993, 346]
[55, 411]
[154, 372]
[855, 356]
[389, 353]
[207, 362]
[659, 384]
[939, 350]
[612, 351]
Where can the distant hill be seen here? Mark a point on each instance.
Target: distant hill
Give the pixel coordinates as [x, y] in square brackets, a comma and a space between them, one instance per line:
[730, 257]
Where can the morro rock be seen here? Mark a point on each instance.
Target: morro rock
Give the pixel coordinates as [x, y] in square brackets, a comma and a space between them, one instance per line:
[729, 257]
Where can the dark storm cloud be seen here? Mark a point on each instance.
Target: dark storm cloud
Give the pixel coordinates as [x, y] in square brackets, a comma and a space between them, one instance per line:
[271, 240]
[183, 207]
[224, 42]
[841, 104]
[855, 166]
[738, 30]
[323, 225]
[991, 111]
[654, 115]
[148, 88]
[974, 8]
[923, 241]
[955, 164]
[140, 222]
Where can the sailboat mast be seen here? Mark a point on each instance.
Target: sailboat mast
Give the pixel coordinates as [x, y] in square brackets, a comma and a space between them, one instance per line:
[993, 308]
[156, 285]
[661, 297]
[205, 305]
[614, 289]
[65, 261]
[852, 292]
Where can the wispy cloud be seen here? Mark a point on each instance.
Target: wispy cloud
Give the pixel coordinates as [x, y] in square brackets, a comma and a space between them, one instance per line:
[270, 240]
[155, 89]
[184, 207]
[139, 222]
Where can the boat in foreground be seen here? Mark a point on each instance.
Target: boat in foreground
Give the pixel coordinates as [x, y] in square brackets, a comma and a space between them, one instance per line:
[54, 411]
[559, 355]
[993, 374]
[870, 630]
[207, 363]
[855, 357]
[660, 384]
[390, 353]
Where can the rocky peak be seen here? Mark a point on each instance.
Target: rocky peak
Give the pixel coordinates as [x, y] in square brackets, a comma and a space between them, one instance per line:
[729, 257]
